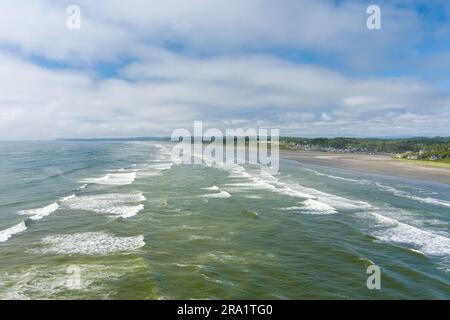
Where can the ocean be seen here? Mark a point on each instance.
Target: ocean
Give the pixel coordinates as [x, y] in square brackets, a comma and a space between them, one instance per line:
[118, 220]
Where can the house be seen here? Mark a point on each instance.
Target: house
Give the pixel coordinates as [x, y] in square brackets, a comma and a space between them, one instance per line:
[435, 157]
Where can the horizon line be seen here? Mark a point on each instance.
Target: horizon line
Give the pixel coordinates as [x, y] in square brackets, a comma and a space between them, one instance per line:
[144, 138]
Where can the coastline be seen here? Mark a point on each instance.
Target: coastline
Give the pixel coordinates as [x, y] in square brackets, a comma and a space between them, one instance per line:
[374, 164]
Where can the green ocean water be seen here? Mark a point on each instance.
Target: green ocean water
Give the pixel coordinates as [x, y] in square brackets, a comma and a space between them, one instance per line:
[118, 220]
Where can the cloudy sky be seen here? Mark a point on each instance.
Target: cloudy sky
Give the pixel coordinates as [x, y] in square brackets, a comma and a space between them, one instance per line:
[144, 68]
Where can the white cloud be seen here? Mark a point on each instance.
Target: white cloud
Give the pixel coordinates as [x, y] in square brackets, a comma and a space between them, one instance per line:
[40, 103]
[110, 31]
[226, 73]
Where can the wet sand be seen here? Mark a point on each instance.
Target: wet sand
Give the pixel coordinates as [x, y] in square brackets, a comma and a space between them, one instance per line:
[377, 164]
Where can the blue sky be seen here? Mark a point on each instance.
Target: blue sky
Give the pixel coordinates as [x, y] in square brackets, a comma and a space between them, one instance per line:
[308, 67]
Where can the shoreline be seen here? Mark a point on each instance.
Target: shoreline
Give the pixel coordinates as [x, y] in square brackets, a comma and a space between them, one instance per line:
[374, 164]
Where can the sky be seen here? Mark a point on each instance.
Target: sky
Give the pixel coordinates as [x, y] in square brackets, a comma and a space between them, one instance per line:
[146, 67]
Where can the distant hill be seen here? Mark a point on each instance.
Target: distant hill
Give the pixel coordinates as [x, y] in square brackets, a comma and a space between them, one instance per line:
[121, 139]
[368, 144]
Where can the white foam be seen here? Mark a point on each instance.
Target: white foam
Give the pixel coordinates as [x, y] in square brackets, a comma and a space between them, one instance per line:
[221, 194]
[401, 233]
[193, 237]
[400, 193]
[235, 171]
[318, 207]
[68, 197]
[56, 281]
[255, 184]
[147, 173]
[434, 201]
[39, 213]
[299, 191]
[321, 202]
[116, 170]
[113, 203]
[90, 243]
[160, 166]
[317, 173]
[267, 181]
[253, 197]
[129, 211]
[213, 188]
[163, 149]
[286, 190]
[155, 169]
[380, 219]
[8, 233]
[294, 208]
[394, 191]
[115, 179]
[428, 200]
[417, 251]
[82, 187]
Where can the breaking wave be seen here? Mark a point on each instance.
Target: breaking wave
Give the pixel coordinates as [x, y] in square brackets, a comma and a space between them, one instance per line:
[113, 203]
[8, 233]
[39, 213]
[90, 243]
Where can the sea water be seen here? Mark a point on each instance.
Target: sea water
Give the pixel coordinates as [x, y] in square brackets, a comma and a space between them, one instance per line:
[128, 224]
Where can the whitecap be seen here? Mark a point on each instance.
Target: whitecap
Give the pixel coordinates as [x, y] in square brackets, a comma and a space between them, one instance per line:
[90, 243]
[392, 190]
[401, 233]
[57, 281]
[317, 173]
[116, 170]
[112, 203]
[160, 166]
[194, 237]
[213, 188]
[116, 179]
[253, 197]
[68, 197]
[400, 193]
[293, 208]
[334, 201]
[8, 233]
[318, 207]
[39, 213]
[267, 181]
[255, 185]
[222, 194]
[83, 186]
[155, 169]
[434, 201]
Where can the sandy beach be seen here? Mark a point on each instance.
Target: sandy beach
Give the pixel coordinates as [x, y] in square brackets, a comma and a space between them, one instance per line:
[377, 164]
